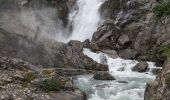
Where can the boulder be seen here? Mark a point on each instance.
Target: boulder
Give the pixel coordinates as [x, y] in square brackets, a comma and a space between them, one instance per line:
[68, 85]
[123, 40]
[103, 75]
[140, 67]
[111, 53]
[89, 64]
[128, 53]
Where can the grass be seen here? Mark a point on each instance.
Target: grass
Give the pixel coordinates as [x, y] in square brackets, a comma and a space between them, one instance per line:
[46, 72]
[162, 9]
[29, 76]
[52, 85]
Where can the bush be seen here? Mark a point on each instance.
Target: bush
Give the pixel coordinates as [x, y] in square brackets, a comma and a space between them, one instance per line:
[164, 50]
[52, 85]
[162, 9]
[29, 76]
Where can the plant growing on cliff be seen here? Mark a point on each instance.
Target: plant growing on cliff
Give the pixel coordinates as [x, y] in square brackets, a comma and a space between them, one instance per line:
[167, 79]
[162, 9]
[46, 72]
[164, 51]
[51, 85]
[29, 76]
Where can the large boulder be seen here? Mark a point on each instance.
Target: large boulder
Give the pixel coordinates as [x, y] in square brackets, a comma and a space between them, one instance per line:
[128, 53]
[111, 53]
[103, 75]
[123, 40]
[71, 56]
[140, 67]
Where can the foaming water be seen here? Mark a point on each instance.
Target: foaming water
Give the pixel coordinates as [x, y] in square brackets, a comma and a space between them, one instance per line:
[85, 19]
[128, 85]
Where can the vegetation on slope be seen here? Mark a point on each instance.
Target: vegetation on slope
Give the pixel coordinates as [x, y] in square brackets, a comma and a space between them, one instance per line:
[162, 9]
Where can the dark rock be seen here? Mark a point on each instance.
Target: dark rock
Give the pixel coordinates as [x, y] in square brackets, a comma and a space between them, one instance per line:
[89, 64]
[156, 71]
[77, 46]
[125, 82]
[103, 76]
[128, 53]
[93, 46]
[103, 86]
[140, 67]
[121, 69]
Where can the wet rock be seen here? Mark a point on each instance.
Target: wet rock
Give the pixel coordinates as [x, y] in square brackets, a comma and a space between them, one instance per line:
[140, 67]
[121, 69]
[103, 75]
[156, 70]
[91, 65]
[103, 59]
[128, 53]
[124, 82]
[103, 86]
[111, 53]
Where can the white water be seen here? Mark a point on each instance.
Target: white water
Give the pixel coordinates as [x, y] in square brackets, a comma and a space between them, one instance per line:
[85, 19]
[116, 90]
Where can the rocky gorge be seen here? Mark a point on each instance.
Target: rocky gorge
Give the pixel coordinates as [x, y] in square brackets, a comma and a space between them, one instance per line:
[44, 55]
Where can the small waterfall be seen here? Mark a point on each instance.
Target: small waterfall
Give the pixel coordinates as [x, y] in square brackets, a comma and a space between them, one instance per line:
[84, 19]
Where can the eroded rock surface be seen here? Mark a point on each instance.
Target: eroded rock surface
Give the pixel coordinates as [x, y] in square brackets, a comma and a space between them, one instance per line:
[22, 80]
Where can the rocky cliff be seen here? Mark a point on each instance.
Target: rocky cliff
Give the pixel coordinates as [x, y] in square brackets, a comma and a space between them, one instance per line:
[138, 29]
[132, 29]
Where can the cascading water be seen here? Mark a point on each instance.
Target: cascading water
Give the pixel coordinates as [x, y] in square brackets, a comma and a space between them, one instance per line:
[128, 85]
[84, 20]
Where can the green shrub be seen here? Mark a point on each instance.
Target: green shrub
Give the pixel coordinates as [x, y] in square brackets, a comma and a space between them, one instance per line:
[29, 76]
[167, 79]
[51, 85]
[164, 50]
[162, 9]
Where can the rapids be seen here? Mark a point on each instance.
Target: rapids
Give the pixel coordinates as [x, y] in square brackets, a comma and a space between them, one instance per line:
[128, 85]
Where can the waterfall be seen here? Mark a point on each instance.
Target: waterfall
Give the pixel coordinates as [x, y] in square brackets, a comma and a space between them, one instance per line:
[84, 20]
